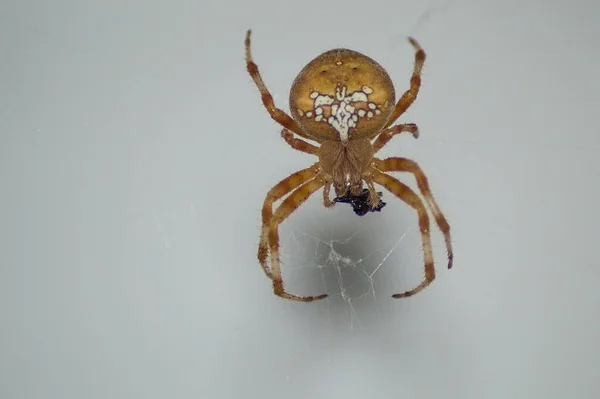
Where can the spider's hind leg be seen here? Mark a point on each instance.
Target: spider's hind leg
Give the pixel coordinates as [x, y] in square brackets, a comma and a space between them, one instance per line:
[267, 99]
[410, 95]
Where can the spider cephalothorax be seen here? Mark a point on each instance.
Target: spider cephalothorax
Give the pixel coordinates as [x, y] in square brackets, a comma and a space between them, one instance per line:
[344, 101]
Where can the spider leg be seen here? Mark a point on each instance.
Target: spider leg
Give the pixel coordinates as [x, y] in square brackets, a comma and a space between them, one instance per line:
[390, 132]
[407, 195]
[397, 164]
[277, 114]
[410, 95]
[289, 205]
[298, 144]
[278, 191]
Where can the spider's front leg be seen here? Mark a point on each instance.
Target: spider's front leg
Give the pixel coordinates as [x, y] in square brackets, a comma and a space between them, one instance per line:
[279, 191]
[398, 164]
[289, 205]
[403, 192]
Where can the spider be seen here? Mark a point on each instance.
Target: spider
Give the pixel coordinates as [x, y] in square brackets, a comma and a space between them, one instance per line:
[345, 102]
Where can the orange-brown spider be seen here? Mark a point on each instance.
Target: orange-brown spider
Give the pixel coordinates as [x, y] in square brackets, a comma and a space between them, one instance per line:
[344, 100]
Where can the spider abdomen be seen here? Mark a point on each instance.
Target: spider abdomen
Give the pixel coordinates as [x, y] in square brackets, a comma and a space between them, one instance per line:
[342, 95]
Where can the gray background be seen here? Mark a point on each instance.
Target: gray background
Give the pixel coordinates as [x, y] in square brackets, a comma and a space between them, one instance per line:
[136, 155]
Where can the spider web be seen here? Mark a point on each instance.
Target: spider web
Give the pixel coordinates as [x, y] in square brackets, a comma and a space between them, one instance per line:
[355, 260]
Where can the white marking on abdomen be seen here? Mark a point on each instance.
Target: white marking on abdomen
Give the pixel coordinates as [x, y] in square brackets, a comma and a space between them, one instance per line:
[343, 115]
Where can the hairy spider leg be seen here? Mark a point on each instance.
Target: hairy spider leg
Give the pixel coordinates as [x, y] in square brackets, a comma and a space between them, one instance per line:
[289, 205]
[278, 191]
[397, 164]
[389, 133]
[298, 144]
[403, 192]
[277, 114]
[410, 95]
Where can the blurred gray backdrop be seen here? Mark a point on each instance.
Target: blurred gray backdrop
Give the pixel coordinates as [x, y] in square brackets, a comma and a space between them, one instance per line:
[136, 155]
